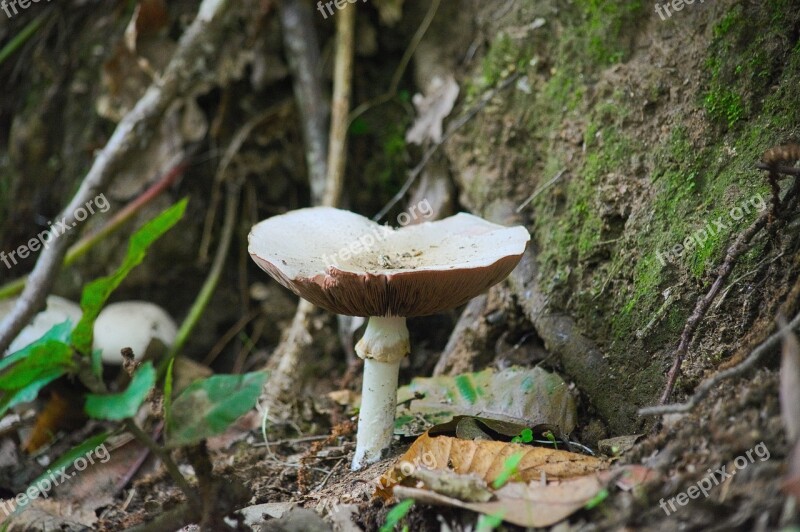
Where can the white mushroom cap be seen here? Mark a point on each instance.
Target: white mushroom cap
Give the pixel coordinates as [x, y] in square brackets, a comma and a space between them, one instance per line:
[58, 310]
[350, 265]
[133, 324]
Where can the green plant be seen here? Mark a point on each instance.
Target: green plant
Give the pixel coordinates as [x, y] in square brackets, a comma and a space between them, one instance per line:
[488, 522]
[205, 408]
[510, 469]
[525, 436]
[397, 514]
[551, 438]
[597, 499]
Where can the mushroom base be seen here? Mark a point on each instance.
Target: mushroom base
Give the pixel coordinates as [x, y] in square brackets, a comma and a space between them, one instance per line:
[376, 417]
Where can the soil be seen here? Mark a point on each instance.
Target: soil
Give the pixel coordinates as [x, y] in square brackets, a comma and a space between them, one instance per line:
[612, 135]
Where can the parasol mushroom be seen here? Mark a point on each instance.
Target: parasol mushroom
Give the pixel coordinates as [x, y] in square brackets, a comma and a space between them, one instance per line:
[348, 264]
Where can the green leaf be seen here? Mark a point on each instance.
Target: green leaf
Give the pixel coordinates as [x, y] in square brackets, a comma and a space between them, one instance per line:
[45, 358]
[58, 333]
[67, 459]
[523, 396]
[97, 292]
[525, 436]
[597, 499]
[123, 405]
[208, 406]
[168, 393]
[29, 392]
[24, 373]
[396, 514]
[509, 470]
[489, 522]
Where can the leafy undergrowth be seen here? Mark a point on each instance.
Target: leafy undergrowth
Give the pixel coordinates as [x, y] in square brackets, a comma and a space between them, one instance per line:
[204, 408]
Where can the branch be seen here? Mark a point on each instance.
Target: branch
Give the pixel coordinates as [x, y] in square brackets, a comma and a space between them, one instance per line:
[342, 84]
[702, 390]
[739, 246]
[286, 357]
[196, 47]
[89, 241]
[302, 51]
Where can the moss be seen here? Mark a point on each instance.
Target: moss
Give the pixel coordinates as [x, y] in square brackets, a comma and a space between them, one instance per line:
[745, 55]
[596, 264]
[695, 182]
[605, 33]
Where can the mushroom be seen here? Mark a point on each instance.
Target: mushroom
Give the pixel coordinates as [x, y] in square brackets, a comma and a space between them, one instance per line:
[348, 264]
[58, 310]
[139, 325]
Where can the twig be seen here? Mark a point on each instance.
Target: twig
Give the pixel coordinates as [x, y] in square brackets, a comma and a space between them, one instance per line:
[401, 67]
[166, 459]
[302, 51]
[229, 335]
[540, 190]
[706, 386]
[733, 253]
[195, 48]
[19, 39]
[452, 128]
[328, 476]
[340, 108]
[286, 358]
[86, 243]
[739, 246]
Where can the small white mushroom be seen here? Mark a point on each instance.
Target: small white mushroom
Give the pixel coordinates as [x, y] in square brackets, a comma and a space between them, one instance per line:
[58, 310]
[350, 265]
[134, 324]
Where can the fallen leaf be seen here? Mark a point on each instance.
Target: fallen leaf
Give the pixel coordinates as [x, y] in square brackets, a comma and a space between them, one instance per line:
[617, 446]
[486, 459]
[47, 515]
[432, 109]
[256, 514]
[528, 505]
[468, 488]
[523, 396]
[97, 485]
[533, 504]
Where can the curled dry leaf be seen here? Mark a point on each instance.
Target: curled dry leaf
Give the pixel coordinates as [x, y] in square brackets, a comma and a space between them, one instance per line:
[523, 396]
[528, 505]
[487, 460]
[432, 109]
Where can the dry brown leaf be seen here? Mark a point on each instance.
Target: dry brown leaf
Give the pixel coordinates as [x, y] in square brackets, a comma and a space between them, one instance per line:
[432, 109]
[535, 504]
[47, 515]
[529, 505]
[97, 485]
[486, 459]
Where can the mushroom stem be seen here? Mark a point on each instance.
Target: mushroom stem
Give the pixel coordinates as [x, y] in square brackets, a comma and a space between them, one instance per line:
[383, 346]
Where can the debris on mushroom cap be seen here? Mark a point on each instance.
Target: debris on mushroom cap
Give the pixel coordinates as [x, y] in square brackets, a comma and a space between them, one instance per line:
[58, 310]
[134, 324]
[350, 265]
